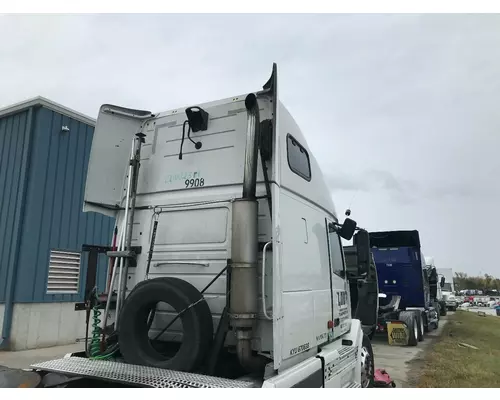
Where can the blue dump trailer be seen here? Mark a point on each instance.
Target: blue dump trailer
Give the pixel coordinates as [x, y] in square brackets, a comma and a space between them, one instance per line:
[408, 306]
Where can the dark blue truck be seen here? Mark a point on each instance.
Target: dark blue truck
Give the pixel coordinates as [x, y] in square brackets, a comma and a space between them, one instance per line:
[409, 286]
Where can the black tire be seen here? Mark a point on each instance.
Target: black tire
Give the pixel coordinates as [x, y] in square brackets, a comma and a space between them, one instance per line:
[368, 361]
[135, 345]
[443, 311]
[426, 323]
[410, 319]
[420, 324]
[437, 307]
[436, 323]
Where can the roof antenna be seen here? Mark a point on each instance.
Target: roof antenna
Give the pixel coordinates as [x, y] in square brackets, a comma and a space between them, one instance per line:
[348, 211]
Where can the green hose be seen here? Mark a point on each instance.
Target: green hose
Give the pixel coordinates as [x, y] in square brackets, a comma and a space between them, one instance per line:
[95, 343]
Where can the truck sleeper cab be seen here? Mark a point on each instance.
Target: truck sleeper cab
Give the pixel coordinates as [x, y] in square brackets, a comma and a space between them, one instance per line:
[402, 275]
[238, 235]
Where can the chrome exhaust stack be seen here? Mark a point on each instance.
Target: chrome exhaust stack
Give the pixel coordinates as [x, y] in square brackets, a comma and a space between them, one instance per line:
[251, 147]
[243, 307]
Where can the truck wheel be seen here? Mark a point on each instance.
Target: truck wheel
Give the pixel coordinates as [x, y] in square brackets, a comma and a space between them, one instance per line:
[420, 324]
[367, 363]
[133, 336]
[437, 307]
[410, 319]
[425, 318]
[443, 311]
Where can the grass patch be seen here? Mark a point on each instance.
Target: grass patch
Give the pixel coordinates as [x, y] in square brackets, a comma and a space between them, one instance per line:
[448, 365]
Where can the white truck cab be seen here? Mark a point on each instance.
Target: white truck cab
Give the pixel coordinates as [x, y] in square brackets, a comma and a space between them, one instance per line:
[451, 300]
[238, 234]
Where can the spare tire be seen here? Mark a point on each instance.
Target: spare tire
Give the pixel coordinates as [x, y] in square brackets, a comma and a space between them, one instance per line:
[133, 335]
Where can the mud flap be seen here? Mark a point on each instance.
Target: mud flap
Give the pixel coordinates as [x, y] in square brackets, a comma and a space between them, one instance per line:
[397, 333]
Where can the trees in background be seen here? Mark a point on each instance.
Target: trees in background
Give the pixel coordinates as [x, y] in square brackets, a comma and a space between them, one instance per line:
[487, 282]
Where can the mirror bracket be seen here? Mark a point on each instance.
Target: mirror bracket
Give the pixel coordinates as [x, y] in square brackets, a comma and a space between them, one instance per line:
[345, 230]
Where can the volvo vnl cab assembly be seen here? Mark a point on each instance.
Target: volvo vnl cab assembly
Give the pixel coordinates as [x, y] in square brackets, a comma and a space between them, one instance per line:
[227, 268]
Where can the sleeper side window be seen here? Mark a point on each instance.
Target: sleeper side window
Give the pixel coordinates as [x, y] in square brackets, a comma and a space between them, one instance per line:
[298, 159]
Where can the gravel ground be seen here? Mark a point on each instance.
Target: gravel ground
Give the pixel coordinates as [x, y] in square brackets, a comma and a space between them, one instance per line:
[396, 359]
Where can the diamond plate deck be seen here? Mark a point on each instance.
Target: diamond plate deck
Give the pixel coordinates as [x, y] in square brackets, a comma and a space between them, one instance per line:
[136, 375]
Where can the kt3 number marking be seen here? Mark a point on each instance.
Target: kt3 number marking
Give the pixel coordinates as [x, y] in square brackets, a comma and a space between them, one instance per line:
[198, 182]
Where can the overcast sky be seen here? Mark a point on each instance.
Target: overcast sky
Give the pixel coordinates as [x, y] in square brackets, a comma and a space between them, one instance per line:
[401, 111]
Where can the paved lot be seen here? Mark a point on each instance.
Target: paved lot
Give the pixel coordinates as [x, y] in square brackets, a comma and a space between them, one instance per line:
[396, 359]
[23, 359]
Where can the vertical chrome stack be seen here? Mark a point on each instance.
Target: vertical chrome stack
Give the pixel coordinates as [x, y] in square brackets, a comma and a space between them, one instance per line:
[244, 247]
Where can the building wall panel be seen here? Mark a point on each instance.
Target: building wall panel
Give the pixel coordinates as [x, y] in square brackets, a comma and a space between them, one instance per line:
[54, 200]
[12, 141]
[39, 325]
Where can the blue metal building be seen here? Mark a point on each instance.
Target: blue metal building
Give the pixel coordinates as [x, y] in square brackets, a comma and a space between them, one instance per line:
[44, 153]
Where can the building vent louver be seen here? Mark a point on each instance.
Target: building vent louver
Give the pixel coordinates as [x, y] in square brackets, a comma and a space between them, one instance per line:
[64, 272]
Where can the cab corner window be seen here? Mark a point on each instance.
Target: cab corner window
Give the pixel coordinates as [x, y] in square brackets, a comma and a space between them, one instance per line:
[336, 258]
[298, 159]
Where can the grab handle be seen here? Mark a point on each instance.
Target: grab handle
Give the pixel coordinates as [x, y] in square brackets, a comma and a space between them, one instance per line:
[263, 281]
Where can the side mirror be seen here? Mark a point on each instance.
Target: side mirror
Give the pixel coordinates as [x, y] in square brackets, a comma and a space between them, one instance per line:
[347, 229]
[363, 253]
[441, 283]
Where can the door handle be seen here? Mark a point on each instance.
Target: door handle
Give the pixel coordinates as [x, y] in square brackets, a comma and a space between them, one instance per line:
[306, 239]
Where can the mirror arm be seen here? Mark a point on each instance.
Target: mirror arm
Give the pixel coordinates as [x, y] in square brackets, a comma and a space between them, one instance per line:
[340, 229]
[334, 227]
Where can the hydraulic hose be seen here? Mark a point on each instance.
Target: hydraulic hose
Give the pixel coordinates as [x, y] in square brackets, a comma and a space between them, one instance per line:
[94, 351]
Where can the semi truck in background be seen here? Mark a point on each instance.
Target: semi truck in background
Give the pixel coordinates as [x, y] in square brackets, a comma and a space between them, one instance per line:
[403, 279]
[449, 285]
[433, 276]
[226, 266]
[448, 290]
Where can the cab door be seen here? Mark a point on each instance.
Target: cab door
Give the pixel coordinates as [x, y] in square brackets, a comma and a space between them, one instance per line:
[341, 310]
